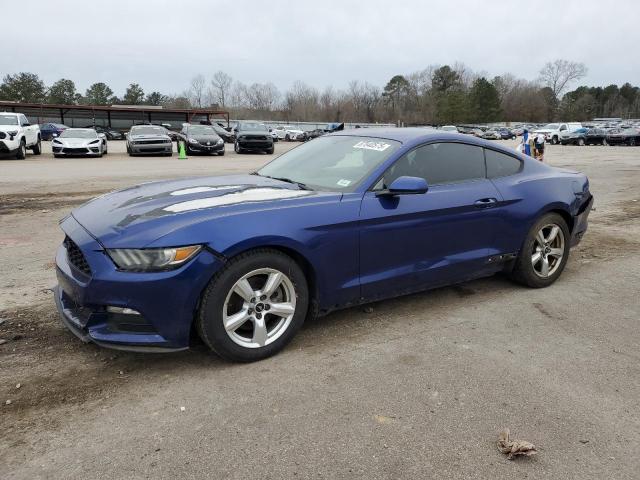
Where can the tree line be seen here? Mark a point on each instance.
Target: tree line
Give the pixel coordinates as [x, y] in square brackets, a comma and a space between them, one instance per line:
[438, 94]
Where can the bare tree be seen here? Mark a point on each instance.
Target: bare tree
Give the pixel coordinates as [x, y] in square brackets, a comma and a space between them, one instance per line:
[196, 90]
[557, 75]
[220, 88]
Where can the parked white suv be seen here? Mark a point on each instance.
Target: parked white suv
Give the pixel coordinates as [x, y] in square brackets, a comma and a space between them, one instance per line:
[554, 131]
[17, 134]
[288, 133]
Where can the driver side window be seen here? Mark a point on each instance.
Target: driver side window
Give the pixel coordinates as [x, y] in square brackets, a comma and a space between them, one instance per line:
[438, 163]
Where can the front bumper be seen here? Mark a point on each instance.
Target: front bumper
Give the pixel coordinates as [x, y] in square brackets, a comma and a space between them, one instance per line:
[151, 148]
[9, 146]
[87, 151]
[200, 148]
[250, 144]
[166, 301]
[580, 221]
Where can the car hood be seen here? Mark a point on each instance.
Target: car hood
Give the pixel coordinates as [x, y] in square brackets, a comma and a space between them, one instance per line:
[9, 128]
[544, 130]
[138, 216]
[205, 138]
[147, 136]
[75, 142]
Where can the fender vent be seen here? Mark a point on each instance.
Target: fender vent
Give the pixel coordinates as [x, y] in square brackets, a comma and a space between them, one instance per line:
[76, 257]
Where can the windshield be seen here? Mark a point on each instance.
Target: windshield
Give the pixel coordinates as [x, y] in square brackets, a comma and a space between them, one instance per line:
[253, 126]
[8, 120]
[148, 130]
[551, 126]
[335, 163]
[71, 133]
[201, 130]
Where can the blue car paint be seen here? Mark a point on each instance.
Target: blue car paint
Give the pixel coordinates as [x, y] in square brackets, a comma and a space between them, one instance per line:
[355, 246]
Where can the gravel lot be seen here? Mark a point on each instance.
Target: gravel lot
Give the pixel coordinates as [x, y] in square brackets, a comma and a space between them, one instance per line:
[417, 388]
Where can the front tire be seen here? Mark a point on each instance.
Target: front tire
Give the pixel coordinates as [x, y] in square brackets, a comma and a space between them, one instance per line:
[236, 147]
[544, 253]
[581, 142]
[554, 140]
[254, 306]
[21, 154]
[269, 151]
[37, 148]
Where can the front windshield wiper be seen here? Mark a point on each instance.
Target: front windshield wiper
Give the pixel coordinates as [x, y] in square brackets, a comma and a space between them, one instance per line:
[288, 180]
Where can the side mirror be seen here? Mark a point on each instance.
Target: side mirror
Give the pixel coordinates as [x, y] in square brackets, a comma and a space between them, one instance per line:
[405, 186]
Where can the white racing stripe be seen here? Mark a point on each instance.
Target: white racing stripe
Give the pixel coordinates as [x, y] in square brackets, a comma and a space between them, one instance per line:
[248, 195]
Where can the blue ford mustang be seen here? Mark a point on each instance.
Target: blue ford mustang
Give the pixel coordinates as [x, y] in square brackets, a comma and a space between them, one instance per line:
[344, 219]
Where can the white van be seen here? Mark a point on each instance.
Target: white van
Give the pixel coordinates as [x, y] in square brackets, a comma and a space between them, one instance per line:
[554, 131]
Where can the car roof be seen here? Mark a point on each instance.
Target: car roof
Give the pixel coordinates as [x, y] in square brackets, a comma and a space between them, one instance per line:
[421, 135]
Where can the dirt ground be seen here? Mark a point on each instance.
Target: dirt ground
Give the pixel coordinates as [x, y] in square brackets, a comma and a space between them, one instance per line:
[417, 388]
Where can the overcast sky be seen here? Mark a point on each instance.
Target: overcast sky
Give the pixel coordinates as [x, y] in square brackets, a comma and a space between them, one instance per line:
[163, 44]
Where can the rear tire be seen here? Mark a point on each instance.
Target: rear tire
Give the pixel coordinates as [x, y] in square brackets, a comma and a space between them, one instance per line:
[547, 242]
[236, 147]
[581, 142]
[255, 333]
[604, 142]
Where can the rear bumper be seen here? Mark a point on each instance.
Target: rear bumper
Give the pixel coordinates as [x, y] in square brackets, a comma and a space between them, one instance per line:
[165, 302]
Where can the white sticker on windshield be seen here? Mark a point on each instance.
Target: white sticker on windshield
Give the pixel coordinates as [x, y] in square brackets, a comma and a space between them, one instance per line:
[343, 183]
[377, 146]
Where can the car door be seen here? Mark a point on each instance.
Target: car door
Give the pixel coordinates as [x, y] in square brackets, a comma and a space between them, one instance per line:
[30, 134]
[409, 242]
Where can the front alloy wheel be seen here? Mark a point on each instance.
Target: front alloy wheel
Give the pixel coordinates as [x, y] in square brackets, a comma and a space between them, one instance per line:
[548, 250]
[259, 308]
[254, 306]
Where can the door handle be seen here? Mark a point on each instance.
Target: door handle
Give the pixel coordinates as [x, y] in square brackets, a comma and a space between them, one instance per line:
[486, 203]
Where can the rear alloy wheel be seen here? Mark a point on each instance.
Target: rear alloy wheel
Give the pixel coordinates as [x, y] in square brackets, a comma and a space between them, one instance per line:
[632, 142]
[581, 142]
[254, 306]
[545, 252]
[604, 142]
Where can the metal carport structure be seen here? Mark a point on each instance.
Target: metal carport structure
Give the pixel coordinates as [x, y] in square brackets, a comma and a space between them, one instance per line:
[119, 117]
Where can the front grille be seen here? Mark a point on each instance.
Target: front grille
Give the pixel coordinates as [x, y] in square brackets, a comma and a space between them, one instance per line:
[76, 257]
[256, 137]
[75, 150]
[149, 142]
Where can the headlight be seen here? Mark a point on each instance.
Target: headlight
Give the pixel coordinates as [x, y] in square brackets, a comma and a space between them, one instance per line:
[220, 141]
[193, 140]
[95, 141]
[12, 133]
[152, 259]
[57, 141]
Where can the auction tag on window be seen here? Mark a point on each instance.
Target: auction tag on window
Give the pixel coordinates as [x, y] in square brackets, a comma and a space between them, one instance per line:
[377, 146]
[343, 183]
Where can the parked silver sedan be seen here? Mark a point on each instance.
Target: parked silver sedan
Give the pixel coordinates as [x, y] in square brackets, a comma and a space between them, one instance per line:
[85, 142]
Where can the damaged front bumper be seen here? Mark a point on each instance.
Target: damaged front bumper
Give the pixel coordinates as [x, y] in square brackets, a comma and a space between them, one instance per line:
[580, 221]
[147, 312]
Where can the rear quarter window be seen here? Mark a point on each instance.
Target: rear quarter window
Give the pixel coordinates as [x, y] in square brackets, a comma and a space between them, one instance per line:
[501, 164]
